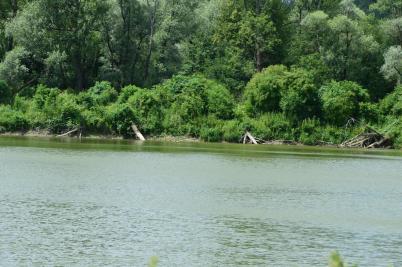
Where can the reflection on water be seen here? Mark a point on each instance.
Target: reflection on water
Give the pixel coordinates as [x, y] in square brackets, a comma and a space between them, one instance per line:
[62, 207]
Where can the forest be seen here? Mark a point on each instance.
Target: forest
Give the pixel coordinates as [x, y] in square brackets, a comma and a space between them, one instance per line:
[308, 71]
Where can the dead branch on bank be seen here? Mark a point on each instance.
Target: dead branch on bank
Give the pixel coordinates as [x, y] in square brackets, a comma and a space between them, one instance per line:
[70, 132]
[369, 138]
[247, 138]
[137, 132]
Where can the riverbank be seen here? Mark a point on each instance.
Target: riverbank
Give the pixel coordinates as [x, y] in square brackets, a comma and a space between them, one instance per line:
[41, 134]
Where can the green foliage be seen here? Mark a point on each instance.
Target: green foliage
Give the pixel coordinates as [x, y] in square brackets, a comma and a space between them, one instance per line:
[392, 68]
[340, 101]
[147, 104]
[5, 93]
[392, 103]
[336, 260]
[126, 92]
[66, 114]
[263, 92]
[153, 261]
[208, 69]
[232, 131]
[192, 98]
[271, 126]
[12, 120]
[119, 118]
[13, 69]
[211, 130]
[300, 100]
[310, 132]
[102, 93]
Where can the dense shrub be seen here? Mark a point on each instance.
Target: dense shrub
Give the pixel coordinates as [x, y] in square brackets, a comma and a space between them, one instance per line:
[66, 114]
[232, 131]
[119, 118]
[149, 110]
[310, 132]
[263, 92]
[270, 126]
[392, 103]
[211, 130]
[220, 101]
[45, 98]
[5, 93]
[193, 98]
[102, 93]
[93, 120]
[12, 120]
[300, 99]
[126, 92]
[341, 101]
[393, 129]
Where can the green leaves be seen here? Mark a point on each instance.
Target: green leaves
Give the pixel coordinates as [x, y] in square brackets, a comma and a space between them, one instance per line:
[392, 68]
[340, 101]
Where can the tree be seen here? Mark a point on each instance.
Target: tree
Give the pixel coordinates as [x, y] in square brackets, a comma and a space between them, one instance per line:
[300, 99]
[388, 8]
[8, 10]
[65, 27]
[14, 70]
[315, 28]
[5, 93]
[257, 29]
[263, 93]
[393, 31]
[392, 68]
[341, 101]
[125, 36]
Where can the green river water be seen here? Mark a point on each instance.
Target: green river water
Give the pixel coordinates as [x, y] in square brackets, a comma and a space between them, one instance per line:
[117, 203]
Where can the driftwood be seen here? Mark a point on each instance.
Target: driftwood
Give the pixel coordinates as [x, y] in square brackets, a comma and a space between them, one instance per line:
[247, 138]
[137, 132]
[369, 138]
[69, 132]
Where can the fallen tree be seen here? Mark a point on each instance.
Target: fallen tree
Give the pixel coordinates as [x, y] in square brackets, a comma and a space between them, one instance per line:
[73, 131]
[247, 138]
[137, 132]
[369, 138]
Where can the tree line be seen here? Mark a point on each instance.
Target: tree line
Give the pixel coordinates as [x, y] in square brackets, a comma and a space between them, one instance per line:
[293, 63]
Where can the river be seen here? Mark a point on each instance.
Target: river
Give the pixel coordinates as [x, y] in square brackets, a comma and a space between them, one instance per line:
[118, 203]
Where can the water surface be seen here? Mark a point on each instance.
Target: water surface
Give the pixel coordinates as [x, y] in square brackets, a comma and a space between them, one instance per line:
[117, 203]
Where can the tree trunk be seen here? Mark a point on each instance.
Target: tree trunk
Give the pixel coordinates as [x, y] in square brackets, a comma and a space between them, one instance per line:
[152, 21]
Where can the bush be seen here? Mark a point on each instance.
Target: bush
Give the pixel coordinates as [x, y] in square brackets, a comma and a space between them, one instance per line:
[119, 118]
[5, 93]
[393, 130]
[102, 93]
[12, 120]
[45, 98]
[271, 126]
[341, 101]
[334, 135]
[220, 102]
[310, 132]
[263, 92]
[211, 130]
[392, 103]
[66, 114]
[93, 120]
[300, 100]
[193, 98]
[232, 131]
[149, 110]
[126, 92]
